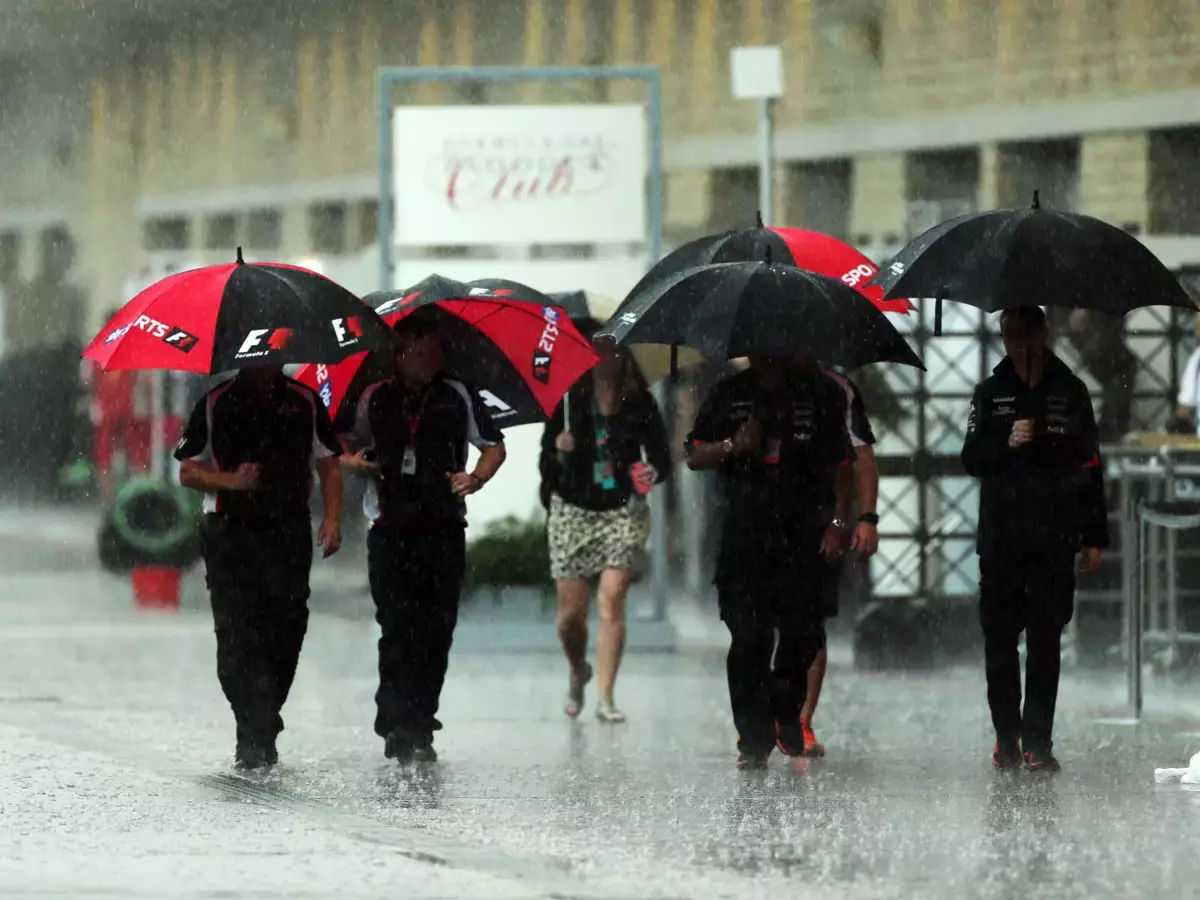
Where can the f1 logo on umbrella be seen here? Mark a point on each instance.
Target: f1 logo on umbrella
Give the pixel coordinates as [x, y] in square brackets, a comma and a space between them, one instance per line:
[348, 330]
[278, 339]
[168, 334]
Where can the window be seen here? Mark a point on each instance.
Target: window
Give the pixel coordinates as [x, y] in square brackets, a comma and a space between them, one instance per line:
[58, 249]
[220, 232]
[10, 256]
[327, 227]
[820, 196]
[368, 223]
[264, 229]
[1175, 181]
[166, 234]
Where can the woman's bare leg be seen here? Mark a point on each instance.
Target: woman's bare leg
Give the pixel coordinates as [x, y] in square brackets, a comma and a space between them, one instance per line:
[610, 642]
[572, 632]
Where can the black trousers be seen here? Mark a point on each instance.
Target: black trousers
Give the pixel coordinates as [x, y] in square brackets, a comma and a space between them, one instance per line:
[776, 625]
[258, 582]
[1034, 594]
[416, 577]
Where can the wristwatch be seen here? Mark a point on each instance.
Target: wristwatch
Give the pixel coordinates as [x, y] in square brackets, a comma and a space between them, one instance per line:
[727, 445]
[869, 519]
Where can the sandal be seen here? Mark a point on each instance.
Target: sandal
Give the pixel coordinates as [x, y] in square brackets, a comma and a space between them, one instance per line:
[579, 680]
[606, 711]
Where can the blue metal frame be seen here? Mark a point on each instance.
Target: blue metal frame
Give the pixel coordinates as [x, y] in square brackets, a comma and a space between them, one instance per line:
[390, 77]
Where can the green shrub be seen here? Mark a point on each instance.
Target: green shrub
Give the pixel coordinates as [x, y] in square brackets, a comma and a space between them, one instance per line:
[510, 552]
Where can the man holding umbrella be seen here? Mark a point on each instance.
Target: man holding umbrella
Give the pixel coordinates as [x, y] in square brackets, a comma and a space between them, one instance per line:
[1031, 440]
[411, 435]
[777, 434]
[249, 446]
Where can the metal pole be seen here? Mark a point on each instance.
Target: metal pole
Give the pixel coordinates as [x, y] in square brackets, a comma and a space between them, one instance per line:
[766, 159]
[1133, 666]
[157, 399]
[660, 531]
[1172, 568]
[384, 118]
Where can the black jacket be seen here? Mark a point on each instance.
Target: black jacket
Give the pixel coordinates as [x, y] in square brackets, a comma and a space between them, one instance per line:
[637, 426]
[1047, 496]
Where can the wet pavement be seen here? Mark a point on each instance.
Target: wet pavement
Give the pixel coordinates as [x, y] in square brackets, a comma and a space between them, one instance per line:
[115, 776]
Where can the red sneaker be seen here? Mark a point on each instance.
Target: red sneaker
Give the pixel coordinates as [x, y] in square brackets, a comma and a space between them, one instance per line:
[1006, 756]
[812, 747]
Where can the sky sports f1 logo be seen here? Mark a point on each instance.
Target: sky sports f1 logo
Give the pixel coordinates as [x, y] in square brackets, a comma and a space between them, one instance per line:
[261, 342]
[348, 330]
[324, 385]
[544, 351]
[168, 334]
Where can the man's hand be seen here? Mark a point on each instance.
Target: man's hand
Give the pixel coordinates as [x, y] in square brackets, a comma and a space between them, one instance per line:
[246, 477]
[329, 537]
[565, 442]
[748, 436]
[464, 483]
[833, 542]
[1089, 559]
[359, 464]
[1022, 433]
[866, 539]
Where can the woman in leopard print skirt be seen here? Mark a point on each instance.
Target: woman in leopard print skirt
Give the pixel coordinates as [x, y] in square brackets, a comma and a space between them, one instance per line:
[593, 485]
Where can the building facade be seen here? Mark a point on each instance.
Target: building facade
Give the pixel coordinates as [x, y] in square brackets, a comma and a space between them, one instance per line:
[171, 131]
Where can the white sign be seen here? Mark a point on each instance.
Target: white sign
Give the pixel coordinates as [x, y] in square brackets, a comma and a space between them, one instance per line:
[488, 175]
[757, 73]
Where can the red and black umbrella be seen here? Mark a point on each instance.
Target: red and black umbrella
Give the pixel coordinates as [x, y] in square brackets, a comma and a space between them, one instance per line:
[809, 250]
[505, 339]
[233, 316]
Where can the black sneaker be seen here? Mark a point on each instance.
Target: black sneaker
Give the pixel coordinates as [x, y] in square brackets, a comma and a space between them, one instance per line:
[790, 739]
[272, 753]
[1006, 755]
[399, 745]
[251, 755]
[1041, 761]
[752, 762]
[424, 753]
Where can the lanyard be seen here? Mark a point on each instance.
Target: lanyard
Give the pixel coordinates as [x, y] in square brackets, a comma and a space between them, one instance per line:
[414, 421]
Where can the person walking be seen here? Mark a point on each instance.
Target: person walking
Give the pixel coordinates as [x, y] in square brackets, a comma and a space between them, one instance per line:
[864, 541]
[1031, 442]
[777, 434]
[594, 482]
[411, 437]
[249, 446]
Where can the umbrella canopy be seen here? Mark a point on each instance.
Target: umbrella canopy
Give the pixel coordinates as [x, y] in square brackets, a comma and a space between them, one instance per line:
[590, 311]
[1032, 257]
[730, 310]
[220, 318]
[809, 250]
[522, 355]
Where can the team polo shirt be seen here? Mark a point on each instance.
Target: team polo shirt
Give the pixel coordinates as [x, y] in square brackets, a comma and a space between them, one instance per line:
[790, 481]
[231, 426]
[419, 438]
[857, 424]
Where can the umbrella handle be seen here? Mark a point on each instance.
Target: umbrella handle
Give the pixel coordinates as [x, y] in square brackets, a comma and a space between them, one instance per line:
[937, 315]
[674, 363]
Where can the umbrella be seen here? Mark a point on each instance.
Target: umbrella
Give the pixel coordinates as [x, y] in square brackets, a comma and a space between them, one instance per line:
[589, 311]
[506, 340]
[1032, 257]
[810, 250]
[220, 318]
[729, 310]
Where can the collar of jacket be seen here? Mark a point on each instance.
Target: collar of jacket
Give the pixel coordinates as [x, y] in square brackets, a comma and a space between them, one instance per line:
[1055, 370]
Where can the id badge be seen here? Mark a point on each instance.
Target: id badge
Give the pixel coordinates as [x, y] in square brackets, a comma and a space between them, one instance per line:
[771, 457]
[604, 475]
[408, 465]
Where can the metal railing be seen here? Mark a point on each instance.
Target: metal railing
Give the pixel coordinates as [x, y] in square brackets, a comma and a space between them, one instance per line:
[1152, 519]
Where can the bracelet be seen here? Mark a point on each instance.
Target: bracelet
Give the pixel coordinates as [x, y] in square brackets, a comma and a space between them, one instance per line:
[869, 519]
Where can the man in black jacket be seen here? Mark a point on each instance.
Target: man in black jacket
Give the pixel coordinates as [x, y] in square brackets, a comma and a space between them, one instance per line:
[1031, 440]
[777, 435]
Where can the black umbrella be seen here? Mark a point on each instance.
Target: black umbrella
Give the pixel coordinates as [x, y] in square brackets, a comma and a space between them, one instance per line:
[1031, 257]
[729, 310]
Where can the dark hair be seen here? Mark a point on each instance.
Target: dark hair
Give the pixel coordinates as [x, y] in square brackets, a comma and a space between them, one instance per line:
[420, 323]
[1032, 316]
